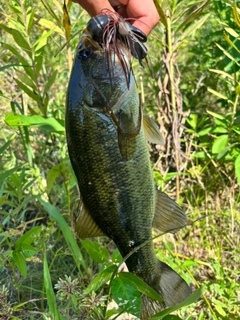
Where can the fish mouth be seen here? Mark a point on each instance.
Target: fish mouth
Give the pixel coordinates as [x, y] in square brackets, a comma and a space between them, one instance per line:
[114, 58]
[88, 42]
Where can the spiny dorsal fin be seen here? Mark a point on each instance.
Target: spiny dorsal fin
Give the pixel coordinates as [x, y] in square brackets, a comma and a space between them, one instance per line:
[83, 224]
[168, 217]
[151, 131]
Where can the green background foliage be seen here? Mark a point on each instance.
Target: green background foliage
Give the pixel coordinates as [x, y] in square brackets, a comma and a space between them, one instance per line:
[45, 273]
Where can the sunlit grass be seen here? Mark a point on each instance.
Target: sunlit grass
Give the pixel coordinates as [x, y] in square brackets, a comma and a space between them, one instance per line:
[47, 274]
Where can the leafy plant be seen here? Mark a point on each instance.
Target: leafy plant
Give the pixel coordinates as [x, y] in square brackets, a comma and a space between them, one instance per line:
[44, 271]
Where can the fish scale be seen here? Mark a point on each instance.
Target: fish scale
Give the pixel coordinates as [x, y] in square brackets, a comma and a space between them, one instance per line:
[111, 161]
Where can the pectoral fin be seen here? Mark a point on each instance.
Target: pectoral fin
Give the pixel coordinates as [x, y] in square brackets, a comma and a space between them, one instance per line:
[168, 217]
[83, 224]
[151, 131]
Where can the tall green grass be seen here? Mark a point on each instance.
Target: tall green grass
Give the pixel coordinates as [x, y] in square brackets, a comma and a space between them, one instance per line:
[45, 273]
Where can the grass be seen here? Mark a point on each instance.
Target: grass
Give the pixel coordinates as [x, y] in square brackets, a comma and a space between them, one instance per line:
[209, 257]
[45, 273]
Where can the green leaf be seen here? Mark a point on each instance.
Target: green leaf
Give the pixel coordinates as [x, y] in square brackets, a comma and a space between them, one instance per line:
[28, 237]
[116, 256]
[220, 310]
[219, 95]
[7, 144]
[204, 132]
[236, 129]
[219, 306]
[29, 19]
[232, 32]
[39, 64]
[192, 121]
[194, 14]
[223, 123]
[237, 168]
[237, 90]
[19, 39]
[191, 29]
[7, 66]
[224, 152]
[219, 143]
[3, 199]
[7, 173]
[101, 279]
[112, 312]
[67, 233]
[219, 130]
[51, 300]
[28, 91]
[161, 13]
[52, 175]
[20, 262]
[51, 25]
[126, 296]
[172, 317]
[230, 42]
[216, 115]
[189, 300]
[17, 24]
[97, 252]
[42, 41]
[140, 285]
[27, 250]
[235, 14]
[227, 54]
[47, 124]
[222, 73]
[26, 80]
[22, 60]
[66, 22]
[51, 80]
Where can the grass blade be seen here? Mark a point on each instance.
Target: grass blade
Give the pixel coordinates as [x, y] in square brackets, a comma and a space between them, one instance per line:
[49, 289]
[67, 233]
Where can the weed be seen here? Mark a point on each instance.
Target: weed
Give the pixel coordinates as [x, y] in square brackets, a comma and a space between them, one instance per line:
[45, 273]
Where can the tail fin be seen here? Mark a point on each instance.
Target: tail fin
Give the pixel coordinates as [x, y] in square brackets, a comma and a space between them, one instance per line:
[170, 286]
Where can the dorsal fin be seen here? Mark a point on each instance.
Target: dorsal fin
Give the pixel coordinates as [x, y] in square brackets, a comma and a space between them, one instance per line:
[151, 131]
[168, 217]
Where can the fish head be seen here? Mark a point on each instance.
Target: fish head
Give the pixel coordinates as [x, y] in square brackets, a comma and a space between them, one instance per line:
[102, 74]
[102, 80]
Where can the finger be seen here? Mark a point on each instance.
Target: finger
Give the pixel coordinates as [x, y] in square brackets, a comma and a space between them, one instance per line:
[145, 15]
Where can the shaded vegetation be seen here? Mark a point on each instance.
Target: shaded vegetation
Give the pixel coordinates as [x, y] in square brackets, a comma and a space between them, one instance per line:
[44, 272]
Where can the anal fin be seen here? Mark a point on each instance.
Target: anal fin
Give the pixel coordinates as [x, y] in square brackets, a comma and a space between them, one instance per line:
[168, 217]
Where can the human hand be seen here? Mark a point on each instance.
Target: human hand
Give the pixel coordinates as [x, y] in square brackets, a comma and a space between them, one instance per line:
[142, 14]
[116, 27]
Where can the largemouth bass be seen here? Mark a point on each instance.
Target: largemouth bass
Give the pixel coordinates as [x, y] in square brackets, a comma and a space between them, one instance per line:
[106, 136]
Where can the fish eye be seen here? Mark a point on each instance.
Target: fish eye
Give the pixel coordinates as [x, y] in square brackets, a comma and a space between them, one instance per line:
[85, 53]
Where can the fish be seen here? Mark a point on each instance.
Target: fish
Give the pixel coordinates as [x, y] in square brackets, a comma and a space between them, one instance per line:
[107, 135]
